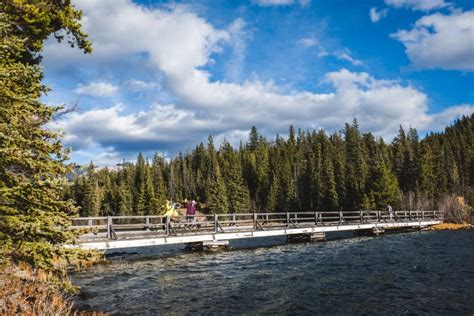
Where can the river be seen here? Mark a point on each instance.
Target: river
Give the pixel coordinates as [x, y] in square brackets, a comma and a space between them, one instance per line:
[407, 273]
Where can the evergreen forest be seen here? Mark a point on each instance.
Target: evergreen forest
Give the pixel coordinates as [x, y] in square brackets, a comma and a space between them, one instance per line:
[306, 171]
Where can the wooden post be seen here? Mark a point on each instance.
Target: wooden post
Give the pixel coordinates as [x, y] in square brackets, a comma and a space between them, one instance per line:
[422, 215]
[215, 222]
[288, 219]
[361, 217]
[89, 222]
[378, 216]
[147, 223]
[168, 224]
[109, 227]
[340, 218]
[316, 218]
[409, 215]
[255, 221]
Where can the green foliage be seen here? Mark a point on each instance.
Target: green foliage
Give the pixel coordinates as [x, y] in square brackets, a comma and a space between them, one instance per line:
[307, 172]
[34, 217]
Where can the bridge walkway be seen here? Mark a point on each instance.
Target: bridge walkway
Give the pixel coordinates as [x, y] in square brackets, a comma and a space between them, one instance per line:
[113, 232]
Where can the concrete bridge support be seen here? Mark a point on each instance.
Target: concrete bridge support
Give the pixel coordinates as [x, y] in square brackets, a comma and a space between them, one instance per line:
[376, 231]
[212, 245]
[319, 236]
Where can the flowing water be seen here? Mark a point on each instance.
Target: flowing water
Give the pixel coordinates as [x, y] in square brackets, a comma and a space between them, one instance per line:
[409, 273]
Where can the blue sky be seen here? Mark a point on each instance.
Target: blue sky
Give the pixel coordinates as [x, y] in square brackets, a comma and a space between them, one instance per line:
[163, 76]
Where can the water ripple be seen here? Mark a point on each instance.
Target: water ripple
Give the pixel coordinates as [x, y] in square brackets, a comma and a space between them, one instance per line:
[415, 273]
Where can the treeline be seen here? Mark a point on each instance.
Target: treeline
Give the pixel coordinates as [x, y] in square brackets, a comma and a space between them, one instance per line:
[310, 170]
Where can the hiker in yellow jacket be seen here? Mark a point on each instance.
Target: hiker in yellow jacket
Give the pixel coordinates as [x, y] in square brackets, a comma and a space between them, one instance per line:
[170, 209]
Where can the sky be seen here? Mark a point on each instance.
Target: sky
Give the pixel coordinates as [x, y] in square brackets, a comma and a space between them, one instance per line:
[163, 76]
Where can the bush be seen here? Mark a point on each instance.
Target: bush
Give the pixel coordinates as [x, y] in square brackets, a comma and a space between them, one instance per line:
[454, 209]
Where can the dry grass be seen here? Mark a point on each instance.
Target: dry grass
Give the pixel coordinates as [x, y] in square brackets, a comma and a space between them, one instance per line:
[451, 226]
[27, 292]
[455, 209]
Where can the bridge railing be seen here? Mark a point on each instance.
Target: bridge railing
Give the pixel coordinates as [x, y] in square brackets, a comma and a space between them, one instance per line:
[111, 227]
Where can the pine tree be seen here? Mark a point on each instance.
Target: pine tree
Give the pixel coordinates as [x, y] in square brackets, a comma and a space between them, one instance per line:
[216, 193]
[355, 167]
[237, 192]
[33, 214]
[330, 197]
[383, 188]
[139, 198]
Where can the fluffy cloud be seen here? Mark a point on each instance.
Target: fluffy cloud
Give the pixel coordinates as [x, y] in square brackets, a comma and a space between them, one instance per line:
[375, 15]
[381, 105]
[100, 89]
[180, 45]
[441, 41]
[423, 5]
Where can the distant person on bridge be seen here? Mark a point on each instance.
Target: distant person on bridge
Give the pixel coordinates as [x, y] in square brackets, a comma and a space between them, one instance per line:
[191, 211]
[390, 212]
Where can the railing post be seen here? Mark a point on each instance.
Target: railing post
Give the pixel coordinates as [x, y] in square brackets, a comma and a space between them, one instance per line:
[316, 218]
[361, 217]
[109, 227]
[147, 223]
[340, 218]
[378, 216]
[423, 215]
[255, 221]
[168, 224]
[409, 215]
[215, 222]
[89, 222]
[288, 219]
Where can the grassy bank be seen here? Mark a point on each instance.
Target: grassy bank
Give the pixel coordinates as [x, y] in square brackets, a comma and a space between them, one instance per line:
[25, 290]
[451, 226]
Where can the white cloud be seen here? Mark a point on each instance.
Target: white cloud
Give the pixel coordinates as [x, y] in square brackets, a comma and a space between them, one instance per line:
[441, 41]
[139, 85]
[100, 89]
[423, 5]
[345, 55]
[308, 42]
[269, 3]
[341, 54]
[179, 48]
[238, 38]
[375, 15]
[381, 106]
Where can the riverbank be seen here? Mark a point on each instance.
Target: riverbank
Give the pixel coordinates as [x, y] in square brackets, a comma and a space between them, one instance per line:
[451, 226]
[24, 291]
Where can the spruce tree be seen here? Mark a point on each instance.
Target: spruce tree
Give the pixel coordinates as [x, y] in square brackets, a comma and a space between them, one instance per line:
[216, 192]
[34, 217]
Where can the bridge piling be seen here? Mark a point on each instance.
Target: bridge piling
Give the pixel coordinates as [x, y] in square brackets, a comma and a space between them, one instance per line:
[211, 245]
[311, 237]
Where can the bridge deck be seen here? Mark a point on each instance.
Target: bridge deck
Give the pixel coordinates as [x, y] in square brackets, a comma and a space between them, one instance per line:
[115, 232]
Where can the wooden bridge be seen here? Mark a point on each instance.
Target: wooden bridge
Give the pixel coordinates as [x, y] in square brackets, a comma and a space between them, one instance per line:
[114, 232]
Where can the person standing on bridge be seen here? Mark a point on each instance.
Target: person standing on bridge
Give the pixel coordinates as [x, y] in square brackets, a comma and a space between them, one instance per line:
[390, 212]
[191, 211]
